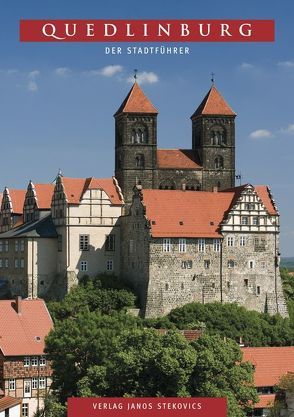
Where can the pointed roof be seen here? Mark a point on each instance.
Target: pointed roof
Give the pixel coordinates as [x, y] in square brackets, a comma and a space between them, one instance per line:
[213, 104]
[136, 102]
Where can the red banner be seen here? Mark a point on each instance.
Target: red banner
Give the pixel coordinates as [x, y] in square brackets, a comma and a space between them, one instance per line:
[147, 407]
[147, 30]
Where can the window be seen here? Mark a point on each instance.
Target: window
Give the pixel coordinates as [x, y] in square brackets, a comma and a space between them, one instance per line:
[216, 245]
[166, 287]
[6, 263]
[25, 410]
[230, 241]
[16, 246]
[246, 282]
[1, 263]
[34, 383]
[255, 221]
[231, 263]
[140, 161]
[166, 245]
[84, 266]
[251, 264]
[182, 245]
[26, 361]
[11, 384]
[22, 245]
[201, 245]
[16, 263]
[244, 220]
[207, 264]
[22, 263]
[131, 246]
[59, 243]
[109, 265]
[242, 240]
[84, 242]
[42, 382]
[1, 246]
[110, 243]
[34, 361]
[42, 361]
[187, 264]
[6, 246]
[219, 162]
[258, 290]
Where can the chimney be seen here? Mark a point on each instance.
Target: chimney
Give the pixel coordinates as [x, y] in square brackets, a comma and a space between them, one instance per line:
[183, 187]
[215, 189]
[18, 304]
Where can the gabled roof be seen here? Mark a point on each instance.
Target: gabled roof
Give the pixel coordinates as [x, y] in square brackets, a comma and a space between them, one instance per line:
[24, 333]
[17, 198]
[175, 213]
[263, 193]
[136, 102]
[9, 402]
[75, 188]
[44, 193]
[213, 104]
[177, 158]
[270, 363]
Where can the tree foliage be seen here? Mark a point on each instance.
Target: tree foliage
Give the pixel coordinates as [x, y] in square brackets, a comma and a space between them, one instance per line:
[232, 321]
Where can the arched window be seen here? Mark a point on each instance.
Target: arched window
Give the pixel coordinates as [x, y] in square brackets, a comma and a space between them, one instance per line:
[139, 135]
[167, 185]
[193, 186]
[140, 161]
[218, 136]
[219, 162]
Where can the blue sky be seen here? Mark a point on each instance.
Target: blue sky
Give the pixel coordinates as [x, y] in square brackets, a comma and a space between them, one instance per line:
[57, 100]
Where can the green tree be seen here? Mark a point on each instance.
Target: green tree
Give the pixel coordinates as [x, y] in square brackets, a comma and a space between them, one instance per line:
[77, 344]
[219, 372]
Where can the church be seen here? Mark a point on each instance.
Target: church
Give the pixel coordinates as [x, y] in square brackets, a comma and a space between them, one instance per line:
[171, 222]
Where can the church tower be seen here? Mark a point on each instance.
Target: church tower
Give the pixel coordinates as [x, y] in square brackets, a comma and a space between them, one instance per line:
[213, 138]
[135, 142]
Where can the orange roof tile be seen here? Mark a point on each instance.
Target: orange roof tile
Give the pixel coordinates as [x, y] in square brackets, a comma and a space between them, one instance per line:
[136, 102]
[265, 401]
[44, 193]
[264, 194]
[177, 158]
[24, 333]
[8, 402]
[270, 363]
[213, 104]
[17, 199]
[174, 213]
[75, 188]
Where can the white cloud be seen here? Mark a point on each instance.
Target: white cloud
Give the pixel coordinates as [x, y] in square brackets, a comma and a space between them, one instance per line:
[286, 64]
[145, 78]
[108, 71]
[260, 134]
[246, 66]
[32, 83]
[289, 130]
[62, 72]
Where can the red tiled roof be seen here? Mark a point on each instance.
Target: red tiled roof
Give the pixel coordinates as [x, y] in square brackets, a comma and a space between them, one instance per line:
[264, 194]
[136, 102]
[75, 188]
[8, 402]
[177, 158]
[200, 212]
[213, 104]
[265, 401]
[270, 363]
[24, 333]
[44, 193]
[17, 199]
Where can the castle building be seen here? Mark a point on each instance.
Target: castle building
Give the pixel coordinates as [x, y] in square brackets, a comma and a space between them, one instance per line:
[209, 163]
[171, 222]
